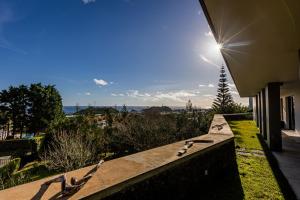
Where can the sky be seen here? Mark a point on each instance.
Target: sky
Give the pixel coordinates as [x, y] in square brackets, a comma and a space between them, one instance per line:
[112, 52]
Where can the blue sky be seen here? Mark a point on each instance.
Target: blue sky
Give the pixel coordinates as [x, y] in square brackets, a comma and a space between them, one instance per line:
[107, 52]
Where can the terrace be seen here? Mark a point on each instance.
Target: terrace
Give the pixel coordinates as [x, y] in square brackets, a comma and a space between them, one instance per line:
[235, 159]
[289, 160]
[216, 167]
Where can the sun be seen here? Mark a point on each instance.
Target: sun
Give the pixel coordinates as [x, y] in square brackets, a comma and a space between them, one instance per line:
[219, 46]
[216, 47]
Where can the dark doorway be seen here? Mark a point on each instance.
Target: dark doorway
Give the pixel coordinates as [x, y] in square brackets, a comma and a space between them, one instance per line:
[281, 109]
[290, 112]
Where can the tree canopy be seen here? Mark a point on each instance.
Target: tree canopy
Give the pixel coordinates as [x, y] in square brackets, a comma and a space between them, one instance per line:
[30, 108]
[223, 102]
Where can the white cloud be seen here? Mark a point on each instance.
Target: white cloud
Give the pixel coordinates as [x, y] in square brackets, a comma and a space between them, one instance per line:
[88, 1]
[87, 93]
[234, 92]
[136, 93]
[100, 82]
[231, 85]
[208, 34]
[209, 85]
[208, 95]
[117, 95]
[205, 59]
[232, 89]
[179, 96]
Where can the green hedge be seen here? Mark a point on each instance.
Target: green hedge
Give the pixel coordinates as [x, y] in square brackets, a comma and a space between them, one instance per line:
[30, 172]
[17, 147]
[21, 147]
[238, 116]
[7, 170]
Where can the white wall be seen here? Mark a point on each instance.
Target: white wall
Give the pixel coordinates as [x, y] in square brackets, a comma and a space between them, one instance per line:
[292, 89]
[254, 108]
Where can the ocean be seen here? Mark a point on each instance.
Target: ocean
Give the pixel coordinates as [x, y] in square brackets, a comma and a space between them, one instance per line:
[72, 109]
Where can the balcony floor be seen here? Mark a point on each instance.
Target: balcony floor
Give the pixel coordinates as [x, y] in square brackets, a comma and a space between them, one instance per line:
[289, 160]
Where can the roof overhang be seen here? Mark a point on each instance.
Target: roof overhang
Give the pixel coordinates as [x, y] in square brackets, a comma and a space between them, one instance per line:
[260, 38]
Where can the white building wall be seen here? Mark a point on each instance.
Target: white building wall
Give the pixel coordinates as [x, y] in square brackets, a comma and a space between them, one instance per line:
[284, 110]
[254, 108]
[297, 110]
[292, 89]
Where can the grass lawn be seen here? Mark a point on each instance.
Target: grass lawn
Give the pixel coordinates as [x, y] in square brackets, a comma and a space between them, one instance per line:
[258, 179]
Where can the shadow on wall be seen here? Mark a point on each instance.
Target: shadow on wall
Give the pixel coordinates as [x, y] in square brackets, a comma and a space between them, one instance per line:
[281, 180]
[188, 180]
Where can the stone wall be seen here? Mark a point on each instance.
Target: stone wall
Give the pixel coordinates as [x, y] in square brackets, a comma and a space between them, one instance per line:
[194, 177]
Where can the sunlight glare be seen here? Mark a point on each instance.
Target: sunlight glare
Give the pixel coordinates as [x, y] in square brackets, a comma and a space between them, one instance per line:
[219, 46]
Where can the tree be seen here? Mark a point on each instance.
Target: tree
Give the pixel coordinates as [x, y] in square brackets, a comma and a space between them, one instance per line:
[15, 102]
[141, 132]
[77, 108]
[45, 105]
[223, 101]
[124, 111]
[30, 108]
[189, 106]
[108, 118]
[4, 122]
[22, 105]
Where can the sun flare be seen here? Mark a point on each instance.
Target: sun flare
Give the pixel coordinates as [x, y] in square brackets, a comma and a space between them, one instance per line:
[219, 46]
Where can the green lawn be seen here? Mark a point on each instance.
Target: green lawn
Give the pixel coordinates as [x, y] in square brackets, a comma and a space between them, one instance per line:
[257, 178]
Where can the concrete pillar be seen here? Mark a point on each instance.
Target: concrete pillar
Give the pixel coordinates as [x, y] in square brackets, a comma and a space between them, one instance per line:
[259, 112]
[263, 114]
[250, 107]
[256, 110]
[274, 139]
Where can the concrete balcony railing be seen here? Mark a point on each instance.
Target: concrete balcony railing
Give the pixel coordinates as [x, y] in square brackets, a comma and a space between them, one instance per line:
[150, 174]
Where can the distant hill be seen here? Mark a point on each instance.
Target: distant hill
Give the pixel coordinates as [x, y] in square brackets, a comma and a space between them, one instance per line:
[96, 110]
[156, 109]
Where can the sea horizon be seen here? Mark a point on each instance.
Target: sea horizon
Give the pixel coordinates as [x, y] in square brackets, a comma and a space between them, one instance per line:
[72, 109]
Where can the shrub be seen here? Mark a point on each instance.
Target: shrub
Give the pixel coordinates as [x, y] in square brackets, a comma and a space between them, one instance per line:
[239, 108]
[138, 133]
[33, 171]
[69, 151]
[30, 172]
[72, 143]
[7, 170]
[39, 141]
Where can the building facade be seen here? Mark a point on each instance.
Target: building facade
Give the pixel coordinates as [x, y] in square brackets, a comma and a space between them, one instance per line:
[261, 46]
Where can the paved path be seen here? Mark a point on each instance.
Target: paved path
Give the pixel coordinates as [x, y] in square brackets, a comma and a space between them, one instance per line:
[289, 160]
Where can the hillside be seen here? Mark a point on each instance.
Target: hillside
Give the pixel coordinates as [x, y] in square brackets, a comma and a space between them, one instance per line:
[96, 110]
[158, 109]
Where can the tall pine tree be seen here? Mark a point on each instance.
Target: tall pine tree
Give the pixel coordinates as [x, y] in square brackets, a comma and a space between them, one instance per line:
[223, 102]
